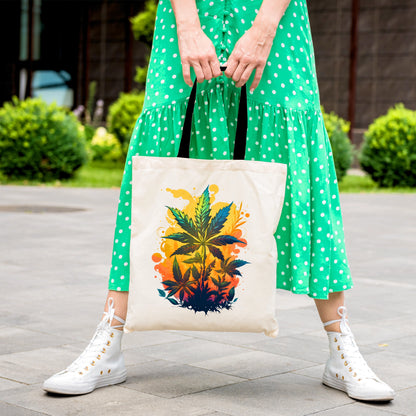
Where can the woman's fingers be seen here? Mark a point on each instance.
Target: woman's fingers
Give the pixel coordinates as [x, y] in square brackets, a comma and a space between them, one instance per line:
[199, 73]
[197, 51]
[257, 77]
[186, 69]
[250, 52]
[238, 73]
[206, 69]
[245, 75]
[231, 66]
[215, 67]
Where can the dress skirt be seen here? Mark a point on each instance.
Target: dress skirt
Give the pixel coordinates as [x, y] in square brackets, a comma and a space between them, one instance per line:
[285, 125]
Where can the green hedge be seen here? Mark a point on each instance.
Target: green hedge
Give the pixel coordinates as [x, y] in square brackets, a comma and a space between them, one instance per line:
[39, 141]
[122, 116]
[388, 152]
[104, 146]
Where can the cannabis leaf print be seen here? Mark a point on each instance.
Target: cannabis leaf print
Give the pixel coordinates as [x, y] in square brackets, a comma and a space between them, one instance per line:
[204, 274]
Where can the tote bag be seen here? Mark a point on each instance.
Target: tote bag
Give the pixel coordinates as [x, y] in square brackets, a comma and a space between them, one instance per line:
[202, 253]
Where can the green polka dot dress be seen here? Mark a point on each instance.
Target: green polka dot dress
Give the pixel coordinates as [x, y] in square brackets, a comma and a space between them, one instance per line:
[285, 125]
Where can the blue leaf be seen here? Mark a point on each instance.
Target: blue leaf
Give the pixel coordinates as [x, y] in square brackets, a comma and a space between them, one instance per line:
[218, 221]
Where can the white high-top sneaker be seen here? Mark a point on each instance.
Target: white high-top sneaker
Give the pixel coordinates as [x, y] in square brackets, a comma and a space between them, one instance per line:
[347, 370]
[100, 364]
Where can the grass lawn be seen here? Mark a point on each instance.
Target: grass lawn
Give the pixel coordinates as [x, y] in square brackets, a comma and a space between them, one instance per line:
[361, 184]
[109, 174]
[92, 175]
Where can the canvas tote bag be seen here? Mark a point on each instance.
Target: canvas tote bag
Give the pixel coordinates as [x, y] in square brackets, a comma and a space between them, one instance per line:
[203, 254]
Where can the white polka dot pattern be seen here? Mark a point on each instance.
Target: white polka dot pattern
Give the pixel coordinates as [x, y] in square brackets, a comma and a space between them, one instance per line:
[285, 125]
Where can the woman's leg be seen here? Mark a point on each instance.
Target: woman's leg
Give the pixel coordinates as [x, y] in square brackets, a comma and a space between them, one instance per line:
[327, 309]
[120, 305]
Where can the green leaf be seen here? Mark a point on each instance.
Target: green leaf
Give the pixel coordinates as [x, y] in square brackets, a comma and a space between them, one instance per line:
[186, 275]
[202, 211]
[184, 221]
[215, 252]
[186, 249]
[162, 293]
[216, 281]
[173, 301]
[173, 291]
[196, 259]
[182, 237]
[195, 273]
[238, 263]
[231, 294]
[177, 274]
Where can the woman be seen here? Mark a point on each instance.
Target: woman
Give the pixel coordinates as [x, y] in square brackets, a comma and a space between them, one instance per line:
[266, 44]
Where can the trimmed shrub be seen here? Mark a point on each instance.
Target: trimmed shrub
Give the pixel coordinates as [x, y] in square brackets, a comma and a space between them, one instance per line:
[388, 152]
[105, 146]
[342, 149]
[122, 116]
[143, 23]
[142, 26]
[39, 141]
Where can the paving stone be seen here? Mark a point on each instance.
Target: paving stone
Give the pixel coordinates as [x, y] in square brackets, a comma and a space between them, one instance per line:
[149, 338]
[24, 340]
[381, 409]
[152, 407]
[36, 365]
[404, 403]
[11, 410]
[253, 364]
[215, 414]
[167, 379]
[104, 401]
[406, 346]
[60, 296]
[284, 394]
[232, 338]
[191, 351]
[6, 384]
[298, 320]
[303, 347]
[315, 371]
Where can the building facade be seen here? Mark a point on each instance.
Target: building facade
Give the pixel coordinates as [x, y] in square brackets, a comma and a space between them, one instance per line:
[63, 45]
[386, 56]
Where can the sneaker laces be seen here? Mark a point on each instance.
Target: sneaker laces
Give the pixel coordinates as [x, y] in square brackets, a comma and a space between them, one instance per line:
[350, 347]
[99, 339]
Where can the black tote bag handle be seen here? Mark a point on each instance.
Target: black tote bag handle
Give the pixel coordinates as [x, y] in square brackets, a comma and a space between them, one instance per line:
[241, 132]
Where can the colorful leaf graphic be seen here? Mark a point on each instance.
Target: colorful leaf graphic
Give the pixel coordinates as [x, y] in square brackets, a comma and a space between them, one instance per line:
[204, 273]
[216, 224]
[203, 211]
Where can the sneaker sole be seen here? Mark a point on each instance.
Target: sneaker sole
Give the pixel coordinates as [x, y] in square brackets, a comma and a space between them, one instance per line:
[108, 381]
[335, 383]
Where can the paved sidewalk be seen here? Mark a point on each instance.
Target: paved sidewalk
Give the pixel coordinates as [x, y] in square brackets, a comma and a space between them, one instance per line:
[54, 268]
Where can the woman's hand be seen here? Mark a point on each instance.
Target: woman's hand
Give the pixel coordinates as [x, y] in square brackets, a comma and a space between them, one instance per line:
[253, 48]
[250, 53]
[197, 50]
